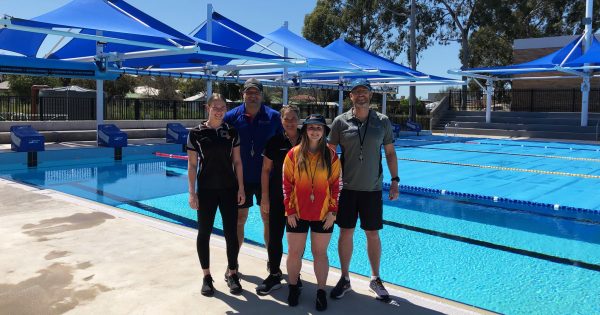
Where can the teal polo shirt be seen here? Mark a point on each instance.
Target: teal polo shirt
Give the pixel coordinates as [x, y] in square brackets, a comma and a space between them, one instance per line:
[346, 130]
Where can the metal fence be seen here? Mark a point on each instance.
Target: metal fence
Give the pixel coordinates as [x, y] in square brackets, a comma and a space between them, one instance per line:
[14, 108]
[547, 100]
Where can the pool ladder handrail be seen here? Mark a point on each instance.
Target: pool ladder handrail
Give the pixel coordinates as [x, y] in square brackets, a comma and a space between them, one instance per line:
[450, 124]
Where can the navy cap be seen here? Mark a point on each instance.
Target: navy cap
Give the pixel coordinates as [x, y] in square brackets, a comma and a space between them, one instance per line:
[253, 83]
[360, 82]
[315, 119]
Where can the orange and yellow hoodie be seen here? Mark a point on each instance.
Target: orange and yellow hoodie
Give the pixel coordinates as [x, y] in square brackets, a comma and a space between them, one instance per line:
[297, 183]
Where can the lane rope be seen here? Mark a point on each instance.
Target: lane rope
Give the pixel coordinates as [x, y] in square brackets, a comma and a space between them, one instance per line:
[501, 168]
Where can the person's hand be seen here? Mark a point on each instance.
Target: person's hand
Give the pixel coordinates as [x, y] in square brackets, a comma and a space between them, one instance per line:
[241, 196]
[328, 220]
[193, 201]
[292, 220]
[394, 193]
[264, 204]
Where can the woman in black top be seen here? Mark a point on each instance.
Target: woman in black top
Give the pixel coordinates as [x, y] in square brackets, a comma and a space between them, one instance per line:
[213, 146]
[272, 193]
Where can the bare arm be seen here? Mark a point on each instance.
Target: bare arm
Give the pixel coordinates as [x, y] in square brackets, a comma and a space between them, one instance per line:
[392, 163]
[239, 173]
[264, 183]
[192, 170]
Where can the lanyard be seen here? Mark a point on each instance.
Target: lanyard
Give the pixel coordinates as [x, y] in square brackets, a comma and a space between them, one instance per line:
[312, 181]
[362, 138]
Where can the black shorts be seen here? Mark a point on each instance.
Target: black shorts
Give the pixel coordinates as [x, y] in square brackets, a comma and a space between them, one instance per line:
[368, 205]
[251, 190]
[303, 225]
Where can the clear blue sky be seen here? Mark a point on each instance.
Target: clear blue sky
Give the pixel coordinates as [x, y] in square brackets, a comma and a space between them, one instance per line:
[262, 16]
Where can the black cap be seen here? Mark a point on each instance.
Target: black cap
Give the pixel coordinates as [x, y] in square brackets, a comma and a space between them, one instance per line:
[315, 119]
[253, 83]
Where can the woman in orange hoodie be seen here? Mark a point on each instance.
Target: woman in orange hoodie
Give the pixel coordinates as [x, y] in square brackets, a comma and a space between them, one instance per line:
[311, 185]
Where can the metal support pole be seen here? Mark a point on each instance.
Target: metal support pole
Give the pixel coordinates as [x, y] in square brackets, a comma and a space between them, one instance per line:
[587, 43]
[340, 97]
[209, 12]
[384, 104]
[412, 101]
[284, 96]
[99, 90]
[489, 91]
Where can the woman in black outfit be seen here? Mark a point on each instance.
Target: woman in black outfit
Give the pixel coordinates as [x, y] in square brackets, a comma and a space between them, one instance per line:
[215, 180]
[272, 193]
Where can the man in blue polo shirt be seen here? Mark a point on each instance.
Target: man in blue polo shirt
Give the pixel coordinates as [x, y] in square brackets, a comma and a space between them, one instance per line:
[256, 123]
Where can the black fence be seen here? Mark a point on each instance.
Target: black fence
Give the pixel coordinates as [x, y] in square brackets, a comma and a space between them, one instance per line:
[557, 100]
[61, 108]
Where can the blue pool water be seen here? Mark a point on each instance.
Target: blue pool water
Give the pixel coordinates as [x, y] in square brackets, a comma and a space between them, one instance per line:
[505, 260]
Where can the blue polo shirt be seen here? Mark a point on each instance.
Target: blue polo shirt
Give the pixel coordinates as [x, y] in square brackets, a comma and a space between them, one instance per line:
[254, 136]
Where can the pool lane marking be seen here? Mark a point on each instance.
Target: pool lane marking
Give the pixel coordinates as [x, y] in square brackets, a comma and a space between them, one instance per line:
[187, 222]
[513, 154]
[502, 168]
[193, 224]
[523, 252]
[503, 144]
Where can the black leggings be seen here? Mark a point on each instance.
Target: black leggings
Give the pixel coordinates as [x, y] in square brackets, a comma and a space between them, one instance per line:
[226, 201]
[276, 229]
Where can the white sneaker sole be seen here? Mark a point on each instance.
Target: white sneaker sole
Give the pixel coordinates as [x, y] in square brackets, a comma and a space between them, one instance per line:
[343, 293]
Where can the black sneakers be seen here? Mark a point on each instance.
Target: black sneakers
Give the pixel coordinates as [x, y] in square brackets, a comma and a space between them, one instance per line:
[340, 288]
[207, 286]
[294, 295]
[233, 282]
[377, 287]
[272, 282]
[321, 300]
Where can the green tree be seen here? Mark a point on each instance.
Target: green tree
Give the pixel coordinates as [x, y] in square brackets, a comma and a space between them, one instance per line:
[380, 26]
[116, 88]
[20, 85]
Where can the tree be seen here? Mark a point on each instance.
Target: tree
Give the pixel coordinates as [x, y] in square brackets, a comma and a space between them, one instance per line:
[119, 87]
[380, 26]
[20, 85]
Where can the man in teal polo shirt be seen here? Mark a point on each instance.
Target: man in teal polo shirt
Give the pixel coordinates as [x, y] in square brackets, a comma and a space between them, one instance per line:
[361, 132]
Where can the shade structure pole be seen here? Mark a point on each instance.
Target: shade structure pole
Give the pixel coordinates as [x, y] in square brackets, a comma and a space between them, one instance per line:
[341, 97]
[99, 89]
[284, 78]
[587, 43]
[209, 12]
[489, 91]
[384, 104]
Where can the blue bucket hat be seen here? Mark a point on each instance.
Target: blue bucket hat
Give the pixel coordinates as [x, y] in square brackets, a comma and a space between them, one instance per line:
[360, 82]
[315, 119]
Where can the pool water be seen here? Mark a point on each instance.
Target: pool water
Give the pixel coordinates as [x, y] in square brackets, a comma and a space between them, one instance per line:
[505, 260]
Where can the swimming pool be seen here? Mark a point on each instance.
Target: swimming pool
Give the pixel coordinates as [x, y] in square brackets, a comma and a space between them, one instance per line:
[490, 255]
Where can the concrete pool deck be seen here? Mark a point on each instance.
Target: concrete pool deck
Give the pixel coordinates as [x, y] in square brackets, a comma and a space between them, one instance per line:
[64, 254]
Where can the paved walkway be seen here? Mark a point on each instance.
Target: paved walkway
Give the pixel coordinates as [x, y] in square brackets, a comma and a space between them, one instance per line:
[64, 254]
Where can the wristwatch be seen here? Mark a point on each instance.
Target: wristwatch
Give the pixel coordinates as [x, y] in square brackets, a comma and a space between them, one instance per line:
[396, 179]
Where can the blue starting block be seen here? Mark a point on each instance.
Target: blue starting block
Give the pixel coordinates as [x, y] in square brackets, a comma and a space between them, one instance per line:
[413, 126]
[111, 136]
[177, 133]
[23, 138]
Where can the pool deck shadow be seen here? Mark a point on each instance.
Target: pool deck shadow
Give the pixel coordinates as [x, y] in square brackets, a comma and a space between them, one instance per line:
[65, 254]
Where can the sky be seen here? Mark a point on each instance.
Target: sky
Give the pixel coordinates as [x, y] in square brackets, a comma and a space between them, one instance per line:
[263, 16]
